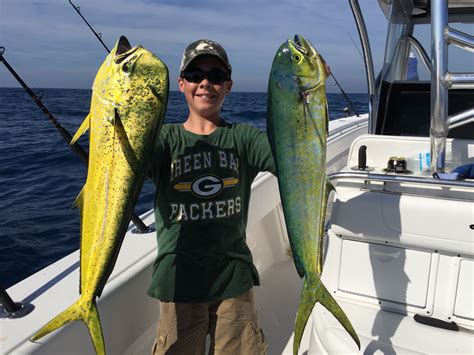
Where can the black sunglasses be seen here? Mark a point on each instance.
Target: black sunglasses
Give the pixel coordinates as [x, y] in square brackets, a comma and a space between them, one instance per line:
[196, 75]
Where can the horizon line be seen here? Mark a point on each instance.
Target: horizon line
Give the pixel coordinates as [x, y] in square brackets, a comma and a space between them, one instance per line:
[90, 89]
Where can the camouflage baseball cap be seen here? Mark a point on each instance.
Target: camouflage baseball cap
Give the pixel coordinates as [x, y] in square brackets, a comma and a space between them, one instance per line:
[204, 47]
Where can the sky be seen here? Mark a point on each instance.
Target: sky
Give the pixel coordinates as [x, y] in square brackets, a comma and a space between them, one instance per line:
[50, 46]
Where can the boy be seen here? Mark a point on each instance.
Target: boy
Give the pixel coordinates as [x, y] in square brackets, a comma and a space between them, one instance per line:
[203, 170]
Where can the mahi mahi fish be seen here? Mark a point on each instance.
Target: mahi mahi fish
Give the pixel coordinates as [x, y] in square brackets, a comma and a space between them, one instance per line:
[129, 98]
[297, 124]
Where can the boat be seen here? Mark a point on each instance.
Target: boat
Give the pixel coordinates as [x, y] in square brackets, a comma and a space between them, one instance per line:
[399, 243]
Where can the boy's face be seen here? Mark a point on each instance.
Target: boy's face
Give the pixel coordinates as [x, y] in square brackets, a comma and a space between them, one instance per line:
[205, 98]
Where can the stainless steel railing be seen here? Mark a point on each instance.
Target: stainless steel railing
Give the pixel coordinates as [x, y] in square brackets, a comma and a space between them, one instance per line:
[369, 177]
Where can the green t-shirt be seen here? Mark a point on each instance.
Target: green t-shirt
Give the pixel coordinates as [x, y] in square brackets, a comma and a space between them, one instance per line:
[201, 204]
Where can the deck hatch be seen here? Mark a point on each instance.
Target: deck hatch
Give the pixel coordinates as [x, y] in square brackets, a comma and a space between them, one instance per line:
[385, 272]
[463, 306]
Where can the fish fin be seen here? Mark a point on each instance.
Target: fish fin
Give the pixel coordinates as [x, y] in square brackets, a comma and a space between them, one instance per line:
[124, 141]
[117, 119]
[328, 187]
[332, 306]
[81, 130]
[95, 329]
[155, 93]
[327, 119]
[304, 310]
[314, 291]
[78, 311]
[79, 201]
[69, 315]
[322, 218]
[83, 255]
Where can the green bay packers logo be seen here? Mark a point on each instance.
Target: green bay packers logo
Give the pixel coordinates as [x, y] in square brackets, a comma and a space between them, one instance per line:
[206, 186]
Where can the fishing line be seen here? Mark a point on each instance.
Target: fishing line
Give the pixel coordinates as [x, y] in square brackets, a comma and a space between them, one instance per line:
[355, 45]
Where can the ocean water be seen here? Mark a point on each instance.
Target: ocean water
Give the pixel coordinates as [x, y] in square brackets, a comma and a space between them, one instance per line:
[40, 176]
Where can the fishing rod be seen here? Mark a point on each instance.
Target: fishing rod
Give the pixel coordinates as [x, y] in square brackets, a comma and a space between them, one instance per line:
[98, 35]
[352, 108]
[343, 93]
[141, 227]
[65, 134]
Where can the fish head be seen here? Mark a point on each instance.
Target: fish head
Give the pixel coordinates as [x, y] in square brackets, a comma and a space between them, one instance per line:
[298, 66]
[128, 77]
[125, 58]
[307, 65]
[138, 67]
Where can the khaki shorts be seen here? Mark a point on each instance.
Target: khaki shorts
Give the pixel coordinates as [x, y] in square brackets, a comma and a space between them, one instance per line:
[232, 325]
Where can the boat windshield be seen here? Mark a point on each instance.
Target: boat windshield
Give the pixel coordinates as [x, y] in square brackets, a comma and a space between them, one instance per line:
[403, 84]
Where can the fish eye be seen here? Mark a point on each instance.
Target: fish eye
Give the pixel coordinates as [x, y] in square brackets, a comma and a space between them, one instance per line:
[297, 57]
[126, 67]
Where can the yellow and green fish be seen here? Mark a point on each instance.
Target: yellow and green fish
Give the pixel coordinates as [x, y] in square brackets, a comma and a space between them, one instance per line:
[129, 99]
[297, 124]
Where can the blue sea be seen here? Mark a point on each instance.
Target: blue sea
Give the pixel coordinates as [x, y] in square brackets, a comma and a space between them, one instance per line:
[40, 176]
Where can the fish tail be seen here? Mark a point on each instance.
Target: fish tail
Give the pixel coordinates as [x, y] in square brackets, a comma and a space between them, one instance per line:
[332, 306]
[313, 292]
[78, 311]
[307, 302]
[95, 329]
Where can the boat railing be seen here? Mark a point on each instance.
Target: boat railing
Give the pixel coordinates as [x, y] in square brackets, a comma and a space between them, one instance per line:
[339, 131]
[425, 180]
[460, 119]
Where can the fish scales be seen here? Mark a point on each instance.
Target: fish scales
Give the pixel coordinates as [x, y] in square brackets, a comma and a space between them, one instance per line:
[297, 129]
[128, 103]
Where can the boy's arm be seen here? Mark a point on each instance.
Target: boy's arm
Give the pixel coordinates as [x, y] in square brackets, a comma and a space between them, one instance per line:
[260, 153]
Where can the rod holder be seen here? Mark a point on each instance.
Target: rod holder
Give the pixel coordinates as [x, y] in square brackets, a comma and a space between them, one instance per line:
[11, 309]
[144, 230]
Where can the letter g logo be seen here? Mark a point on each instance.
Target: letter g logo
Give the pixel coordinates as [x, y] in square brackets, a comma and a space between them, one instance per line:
[207, 186]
